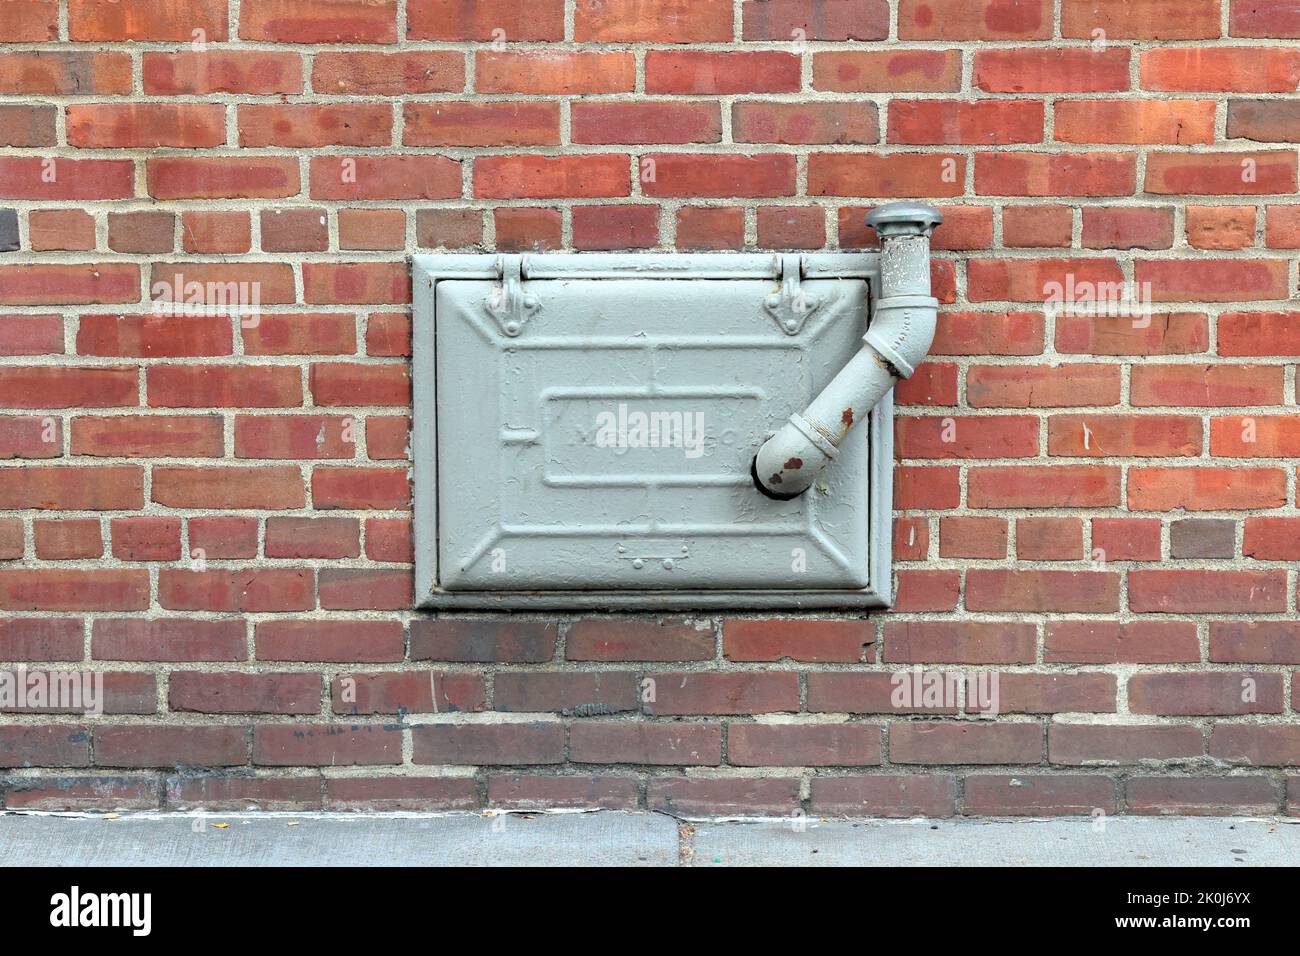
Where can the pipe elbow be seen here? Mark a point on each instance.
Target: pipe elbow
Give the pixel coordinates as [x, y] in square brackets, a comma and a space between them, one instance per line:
[902, 331]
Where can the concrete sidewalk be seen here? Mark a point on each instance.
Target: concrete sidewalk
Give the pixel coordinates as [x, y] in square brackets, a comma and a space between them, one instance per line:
[611, 838]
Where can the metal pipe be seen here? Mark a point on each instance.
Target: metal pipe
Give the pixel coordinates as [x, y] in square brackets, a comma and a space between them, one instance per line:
[896, 342]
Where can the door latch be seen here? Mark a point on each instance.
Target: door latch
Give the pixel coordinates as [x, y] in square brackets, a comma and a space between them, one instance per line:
[508, 303]
[792, 305]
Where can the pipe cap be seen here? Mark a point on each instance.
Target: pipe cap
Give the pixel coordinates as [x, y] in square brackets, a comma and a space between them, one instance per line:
[904, 219]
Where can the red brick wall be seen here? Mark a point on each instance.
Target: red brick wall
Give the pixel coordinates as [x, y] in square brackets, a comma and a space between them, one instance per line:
[1100, 511]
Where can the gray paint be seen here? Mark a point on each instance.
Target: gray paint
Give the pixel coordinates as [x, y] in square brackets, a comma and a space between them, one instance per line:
[491, 350]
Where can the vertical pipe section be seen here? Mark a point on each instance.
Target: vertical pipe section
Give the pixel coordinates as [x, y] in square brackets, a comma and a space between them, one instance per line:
[901, 330]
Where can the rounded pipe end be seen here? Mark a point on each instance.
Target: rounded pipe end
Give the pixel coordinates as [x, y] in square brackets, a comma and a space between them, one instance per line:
[904, 219]
[766, 491]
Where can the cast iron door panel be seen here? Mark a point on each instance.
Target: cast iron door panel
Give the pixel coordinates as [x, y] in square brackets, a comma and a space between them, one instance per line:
[607, 444]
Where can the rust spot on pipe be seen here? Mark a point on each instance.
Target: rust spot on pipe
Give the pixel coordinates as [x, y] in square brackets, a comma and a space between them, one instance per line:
[776, 478]
[794, 464]
[846, 418]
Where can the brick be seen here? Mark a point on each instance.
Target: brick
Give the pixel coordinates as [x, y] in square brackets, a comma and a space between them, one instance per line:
[927, 591]
[687, 692]
[1203, 538]
[1257, 642]
[485, 20]
[1255, 745]
[1093, 745]
[646, 122]
[377, 488]
[1206, 385]
[64, 793]
[889, 795]
[384, 177]
[30, 437]
[57, 284]
[1195, 592]
[528, 230]
[698, 73]
[145, 125]
[146, 538]
[988, 333]
[389, 539]
[222, 537]
[655, 21]
[1271, 539]
[378, 589]
[1205, 489]
[215, 231]
[1224, 173]
[765, 796]
[488, 744]
[975, 20]
[1110, 435]
[965, 743]
[31, 335]
[311, 124]
[40, 639]
[926, 487]
[63, 72]
[615, 227]
[73, 488]
[223, 386]
[251, 590]
[934, 383]
[191, 72]
[51, 745]
[542, 72]
[313, 333]
[965, 642]
[1225, 69]
[1049, 539]
[328, 745]
[1044, 693]
[982, 123]
[243, 177]
[294, 436]
[887, 71]
[146, 20]
[1066, 70]
[1042, 386]
[1173, 122]
[627, 639]
[1259, 333]
[900, 692]
[796, 745]
[60, 230]
[476, 123]
[1049, 486]
[1218, 693]
[1055, 174]
[168, 639]
[965, 536]
[401, 793]
[319, 21]
[1043, 591]
[984, 436]
[1126, 539]
[1178, 280]
[1216, 796]
[1264, 121]
[678, 745]
[388, 334]
[54, 387]
[264, 693]
[543, 792]
[1039, 795]
[1141, 19]
[294, 230]
[1128, 227]
[576, 694]
[1178, 333]
[710, 228]
[482, 641]
[542, 177]
[1037, 226]
[271, 487]
[815, 20]
[235, 793]
[402, 693]
[1264, 18]
[142, 232]
[159, 745]
[332, 640]
[893, 175]
[151, 335]
[312, 537]
[1282, 227]
[363, 73]
[799, 640]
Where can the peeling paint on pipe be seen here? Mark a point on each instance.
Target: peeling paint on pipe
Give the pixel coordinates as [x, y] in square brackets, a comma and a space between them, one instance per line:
[900, 334]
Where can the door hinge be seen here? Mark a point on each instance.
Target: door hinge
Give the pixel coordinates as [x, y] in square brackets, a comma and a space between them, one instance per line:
[792, 305]
[508, 303]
